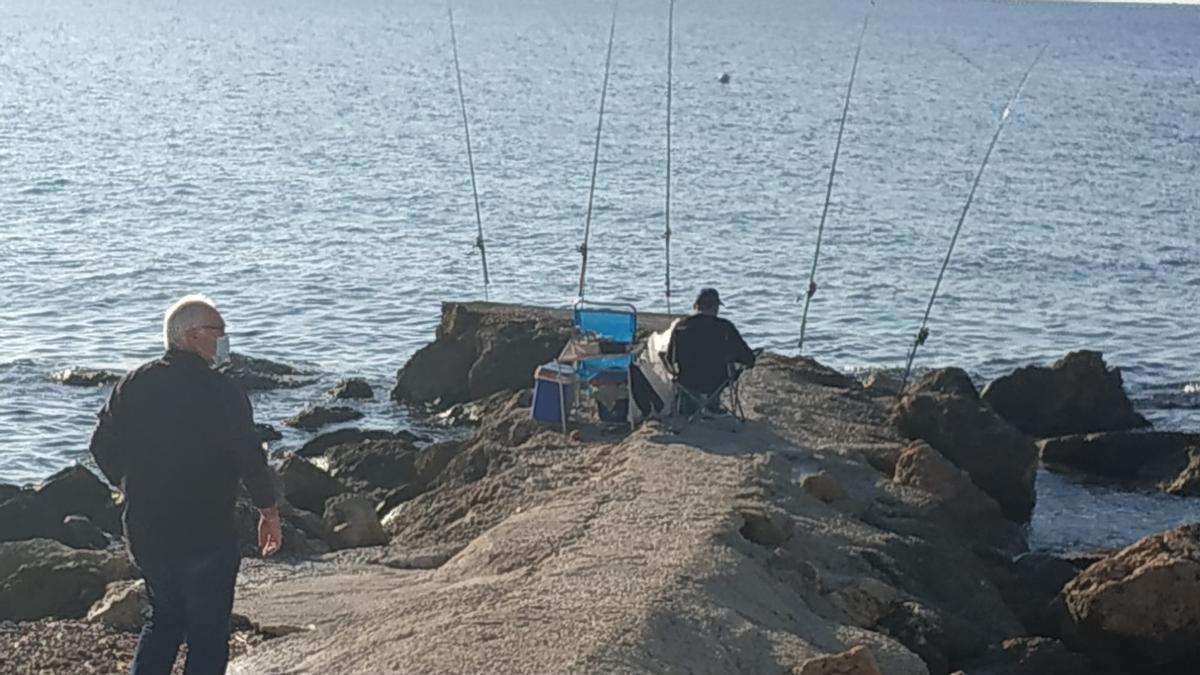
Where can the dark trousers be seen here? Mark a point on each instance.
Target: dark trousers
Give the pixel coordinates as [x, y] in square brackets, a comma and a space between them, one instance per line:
[190, 600]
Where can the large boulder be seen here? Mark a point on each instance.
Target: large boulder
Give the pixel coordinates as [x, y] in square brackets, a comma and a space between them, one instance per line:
[315, 417]
[354, 523]
[1141, 604]
[307, 486]
[941, 410]
[385, 464]
[1125, 455]
[43, 578]
[481, 350]
[122, 607]
[74, 490]
[1078, 394]
[956, 498]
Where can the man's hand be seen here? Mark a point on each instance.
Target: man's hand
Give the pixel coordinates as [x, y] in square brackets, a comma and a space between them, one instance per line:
[270, 532]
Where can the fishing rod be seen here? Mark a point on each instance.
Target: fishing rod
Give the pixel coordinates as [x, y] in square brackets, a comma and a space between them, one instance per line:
[462, 102]
[667, 231]
[837, 149]
[923, 333]
[587, 227]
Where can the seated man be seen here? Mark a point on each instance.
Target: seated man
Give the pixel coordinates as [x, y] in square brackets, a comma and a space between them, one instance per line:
[702, 349]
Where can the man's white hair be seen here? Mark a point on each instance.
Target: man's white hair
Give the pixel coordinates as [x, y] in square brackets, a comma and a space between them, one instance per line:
[187, 312]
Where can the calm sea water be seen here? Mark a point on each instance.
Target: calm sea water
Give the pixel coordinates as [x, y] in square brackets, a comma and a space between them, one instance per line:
[302, 162]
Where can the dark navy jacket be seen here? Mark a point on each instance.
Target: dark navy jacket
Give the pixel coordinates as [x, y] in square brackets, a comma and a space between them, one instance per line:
[178, 437]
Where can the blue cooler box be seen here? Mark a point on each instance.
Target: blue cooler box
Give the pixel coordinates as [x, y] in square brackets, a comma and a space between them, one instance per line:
[553, 385]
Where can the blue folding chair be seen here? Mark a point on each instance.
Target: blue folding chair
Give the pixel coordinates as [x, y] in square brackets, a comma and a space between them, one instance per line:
[614, 327]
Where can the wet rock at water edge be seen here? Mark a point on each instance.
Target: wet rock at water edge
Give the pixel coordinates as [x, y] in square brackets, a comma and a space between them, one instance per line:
[85, 377]
[321, 444]
[267, 433]
[1078, 394]
[353, 388]
[315, 417]
[255, 374]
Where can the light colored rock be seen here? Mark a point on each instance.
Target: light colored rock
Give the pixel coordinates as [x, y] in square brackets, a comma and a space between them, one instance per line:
[122, 606]
[865, 600]
[42, 578]
[824, 487]
[765, 526]
[1143, 600]
[857, 661]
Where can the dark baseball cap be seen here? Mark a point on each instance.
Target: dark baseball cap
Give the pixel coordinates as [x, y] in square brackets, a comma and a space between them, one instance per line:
[708, 297]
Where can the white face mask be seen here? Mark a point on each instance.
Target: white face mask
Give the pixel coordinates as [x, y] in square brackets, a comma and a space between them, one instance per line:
[222, 356]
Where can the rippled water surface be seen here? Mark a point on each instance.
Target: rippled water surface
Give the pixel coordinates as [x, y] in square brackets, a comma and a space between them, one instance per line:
[302, 162]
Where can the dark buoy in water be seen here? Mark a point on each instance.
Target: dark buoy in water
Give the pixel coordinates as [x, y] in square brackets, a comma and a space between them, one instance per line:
[725, 78]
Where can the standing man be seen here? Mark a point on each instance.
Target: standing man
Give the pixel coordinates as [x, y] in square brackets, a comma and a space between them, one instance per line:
[178, 437]
[702, 349]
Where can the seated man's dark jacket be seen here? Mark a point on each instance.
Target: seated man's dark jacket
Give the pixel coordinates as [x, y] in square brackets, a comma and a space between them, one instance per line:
[178, 437]
[702, 347]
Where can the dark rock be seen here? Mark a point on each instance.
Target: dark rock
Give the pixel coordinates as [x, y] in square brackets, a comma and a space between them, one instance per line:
[386, 464]
[354, 522]
[26, 516]
[255, 374]
[312, 525]
[881, 383]
[949, 381]
[267, 433]
[354, 388]
[296, 543]
[1187, 483]
[1125, 455]
[1031, 656]
[725, 78]
[306, 486]
[8, 491]
[79, 532]
[1030, 587]
[999, 459]
[1142, 604]
[85, 377]
[321, 444]
[315, 417]
[1079, 394]
[956, 499]
[939, 639]
[43, 578]
[74, 490]
[479, 353]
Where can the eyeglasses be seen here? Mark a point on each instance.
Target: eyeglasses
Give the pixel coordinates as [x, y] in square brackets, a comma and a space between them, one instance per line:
[219, 329]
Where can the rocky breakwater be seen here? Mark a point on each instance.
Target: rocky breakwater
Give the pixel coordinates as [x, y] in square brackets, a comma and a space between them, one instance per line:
[817, 538]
